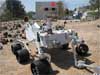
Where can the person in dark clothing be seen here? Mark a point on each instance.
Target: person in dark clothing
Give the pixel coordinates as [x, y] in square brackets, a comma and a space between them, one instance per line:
[65, 23]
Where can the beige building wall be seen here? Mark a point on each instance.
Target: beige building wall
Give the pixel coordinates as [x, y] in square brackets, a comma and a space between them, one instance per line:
[44, 9]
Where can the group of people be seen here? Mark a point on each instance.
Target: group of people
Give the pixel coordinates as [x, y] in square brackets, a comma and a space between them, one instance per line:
[47, 25]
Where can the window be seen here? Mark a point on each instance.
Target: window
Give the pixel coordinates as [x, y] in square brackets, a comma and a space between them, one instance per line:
[53, 9]
[46, 9]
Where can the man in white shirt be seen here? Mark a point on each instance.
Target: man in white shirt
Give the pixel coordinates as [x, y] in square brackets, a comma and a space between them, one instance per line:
[49, 26]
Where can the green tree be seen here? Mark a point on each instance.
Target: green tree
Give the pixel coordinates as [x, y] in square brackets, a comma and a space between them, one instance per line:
[16, 8]
[60, 9]
[66, 11]
[6, 16]
[31, 14]
[95, 5]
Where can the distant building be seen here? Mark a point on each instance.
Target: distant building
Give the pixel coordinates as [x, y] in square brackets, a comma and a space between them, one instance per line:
[88, 15]
[44, 9]
[80, 12]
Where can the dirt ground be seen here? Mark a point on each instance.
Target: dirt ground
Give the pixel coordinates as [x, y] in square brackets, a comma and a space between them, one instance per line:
[62, 61]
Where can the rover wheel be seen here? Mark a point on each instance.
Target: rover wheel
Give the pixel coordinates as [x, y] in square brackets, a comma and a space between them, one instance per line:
[15, 48]
[82, 49]
[41, 67]
[45, 56]
[23, 56]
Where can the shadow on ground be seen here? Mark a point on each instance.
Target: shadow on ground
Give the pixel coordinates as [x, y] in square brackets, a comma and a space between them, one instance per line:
[62, 58]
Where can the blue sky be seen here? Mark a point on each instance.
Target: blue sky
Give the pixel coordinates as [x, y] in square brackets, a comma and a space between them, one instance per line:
[71, 4]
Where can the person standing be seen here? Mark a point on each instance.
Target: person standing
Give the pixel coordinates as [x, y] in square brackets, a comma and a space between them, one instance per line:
[26, 21]
[65, 23]
[49, 25]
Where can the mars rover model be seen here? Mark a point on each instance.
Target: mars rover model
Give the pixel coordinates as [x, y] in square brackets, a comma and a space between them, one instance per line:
[47, 40]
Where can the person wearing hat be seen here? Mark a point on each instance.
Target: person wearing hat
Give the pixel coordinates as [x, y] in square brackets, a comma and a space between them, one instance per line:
[26, 25]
